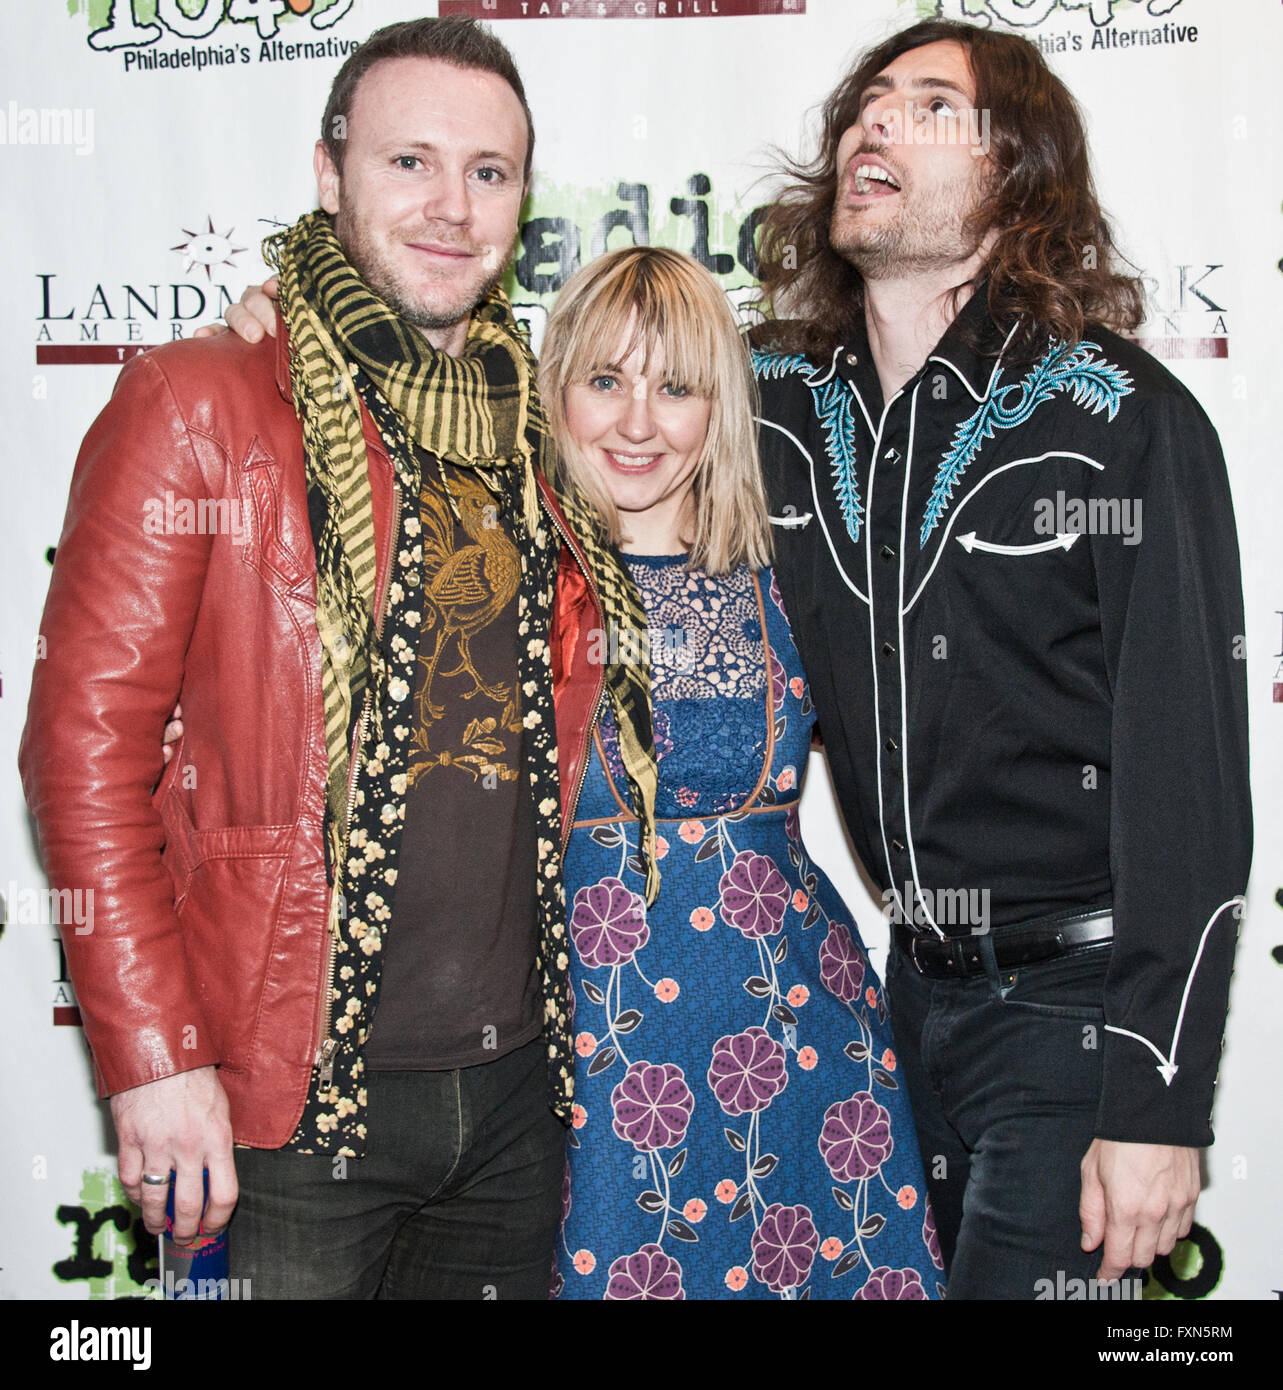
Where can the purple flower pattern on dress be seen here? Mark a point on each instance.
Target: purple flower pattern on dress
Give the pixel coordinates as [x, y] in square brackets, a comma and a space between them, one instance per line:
[784, 1247]
[892, 1286]
[652, 1106]
[841, 965]
[779, 683]
[762, 884]
[608, 924]
[856, 1138]
[748, 1071]
[753, 895]
[930, 1236]
[647, 1274]
[776, 597]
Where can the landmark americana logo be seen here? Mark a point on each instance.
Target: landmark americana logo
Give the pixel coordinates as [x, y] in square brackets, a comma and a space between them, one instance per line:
[81, 321]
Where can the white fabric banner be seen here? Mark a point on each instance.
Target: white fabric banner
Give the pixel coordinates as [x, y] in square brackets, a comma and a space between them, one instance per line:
[149, 145]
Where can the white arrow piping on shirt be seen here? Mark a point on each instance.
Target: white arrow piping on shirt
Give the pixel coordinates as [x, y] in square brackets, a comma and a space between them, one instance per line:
[1167, 1067]
[815, 497]
[956, 511]
[1062, 541]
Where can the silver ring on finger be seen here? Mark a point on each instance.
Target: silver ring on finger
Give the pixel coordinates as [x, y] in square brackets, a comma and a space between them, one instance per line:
[156, 1179]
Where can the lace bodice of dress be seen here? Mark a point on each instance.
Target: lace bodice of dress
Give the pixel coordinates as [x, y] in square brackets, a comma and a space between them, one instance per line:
[708, 657]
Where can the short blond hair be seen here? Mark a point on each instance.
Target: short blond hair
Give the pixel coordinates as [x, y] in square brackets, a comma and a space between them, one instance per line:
[680, 307]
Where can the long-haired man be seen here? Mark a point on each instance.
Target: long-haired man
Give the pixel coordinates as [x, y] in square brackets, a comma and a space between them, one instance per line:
[1006, 544]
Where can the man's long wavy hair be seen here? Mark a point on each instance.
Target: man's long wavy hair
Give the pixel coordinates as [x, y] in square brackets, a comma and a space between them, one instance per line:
[1054, 265]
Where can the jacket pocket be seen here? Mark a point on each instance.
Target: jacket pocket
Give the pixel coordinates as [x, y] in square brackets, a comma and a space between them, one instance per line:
[229, 915]
[1069, 987]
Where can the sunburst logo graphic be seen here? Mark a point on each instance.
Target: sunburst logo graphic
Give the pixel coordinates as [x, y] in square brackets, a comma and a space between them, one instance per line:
[208, 248]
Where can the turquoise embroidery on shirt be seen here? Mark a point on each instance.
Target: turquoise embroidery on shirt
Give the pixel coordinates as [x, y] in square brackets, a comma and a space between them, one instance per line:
[1095, 383]
[833, 409]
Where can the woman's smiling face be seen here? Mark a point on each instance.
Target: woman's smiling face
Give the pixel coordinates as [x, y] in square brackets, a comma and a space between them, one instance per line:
[643, 435]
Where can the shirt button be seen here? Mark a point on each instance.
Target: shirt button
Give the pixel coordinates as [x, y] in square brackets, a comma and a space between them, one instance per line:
[888, 649]
[892, 746]
[892, 455]
[887, 553]
[898, 846]
[852, 360]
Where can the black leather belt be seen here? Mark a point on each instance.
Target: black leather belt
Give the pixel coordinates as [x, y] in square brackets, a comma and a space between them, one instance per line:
[1021, 943]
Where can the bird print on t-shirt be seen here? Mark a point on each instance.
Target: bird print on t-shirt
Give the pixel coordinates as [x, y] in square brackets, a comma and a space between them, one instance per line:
[471, 573]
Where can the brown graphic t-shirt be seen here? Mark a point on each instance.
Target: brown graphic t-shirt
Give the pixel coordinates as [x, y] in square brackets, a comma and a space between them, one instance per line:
[459, 985]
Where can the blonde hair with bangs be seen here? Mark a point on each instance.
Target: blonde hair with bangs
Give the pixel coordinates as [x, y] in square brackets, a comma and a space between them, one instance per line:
[682, 309]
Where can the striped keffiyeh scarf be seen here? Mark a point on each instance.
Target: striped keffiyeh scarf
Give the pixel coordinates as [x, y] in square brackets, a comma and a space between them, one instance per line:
[479, 410]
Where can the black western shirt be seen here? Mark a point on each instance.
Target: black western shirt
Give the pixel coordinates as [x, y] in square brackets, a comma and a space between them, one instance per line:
[1015, 588]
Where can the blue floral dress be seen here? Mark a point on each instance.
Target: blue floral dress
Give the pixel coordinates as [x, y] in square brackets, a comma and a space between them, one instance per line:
[739, 1129]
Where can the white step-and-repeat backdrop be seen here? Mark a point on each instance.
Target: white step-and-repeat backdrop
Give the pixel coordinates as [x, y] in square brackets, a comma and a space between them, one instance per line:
[147, 146]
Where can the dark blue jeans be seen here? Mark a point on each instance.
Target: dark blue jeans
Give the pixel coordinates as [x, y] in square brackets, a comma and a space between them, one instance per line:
[1004, 1072]
[457, 1197]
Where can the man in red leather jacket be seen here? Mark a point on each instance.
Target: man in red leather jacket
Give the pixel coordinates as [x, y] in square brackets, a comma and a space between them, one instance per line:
[204, 979]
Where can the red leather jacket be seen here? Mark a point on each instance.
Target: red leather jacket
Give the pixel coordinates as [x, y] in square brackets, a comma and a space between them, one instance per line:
[186, 571]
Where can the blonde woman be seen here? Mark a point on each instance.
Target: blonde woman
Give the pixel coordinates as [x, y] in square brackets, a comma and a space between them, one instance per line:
[739, 1129]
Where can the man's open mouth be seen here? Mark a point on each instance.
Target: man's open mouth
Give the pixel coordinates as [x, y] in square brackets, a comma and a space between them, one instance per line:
[873, 178]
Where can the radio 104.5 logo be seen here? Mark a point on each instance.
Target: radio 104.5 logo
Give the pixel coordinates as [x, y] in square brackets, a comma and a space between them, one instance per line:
[117, 24]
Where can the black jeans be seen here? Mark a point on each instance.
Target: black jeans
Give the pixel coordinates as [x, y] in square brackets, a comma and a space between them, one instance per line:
[1004, 1072]
[457, 1197]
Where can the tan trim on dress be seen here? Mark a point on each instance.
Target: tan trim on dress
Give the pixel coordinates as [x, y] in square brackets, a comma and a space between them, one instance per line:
[628, 816]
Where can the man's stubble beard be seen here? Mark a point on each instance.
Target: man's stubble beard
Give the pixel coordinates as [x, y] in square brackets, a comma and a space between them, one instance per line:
[928, 236]
[367, 260]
